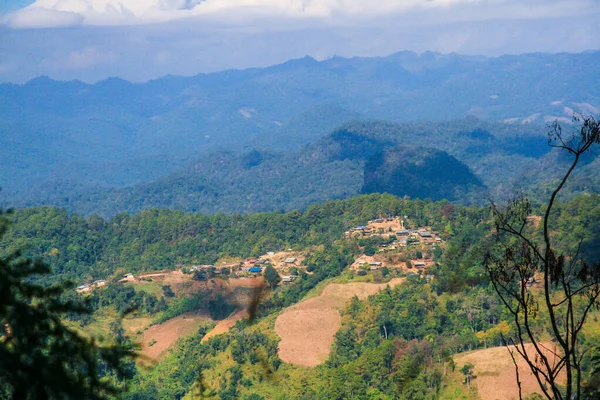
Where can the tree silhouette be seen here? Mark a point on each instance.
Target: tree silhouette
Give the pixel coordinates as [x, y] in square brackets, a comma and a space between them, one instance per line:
[571, 287]
[40, 357]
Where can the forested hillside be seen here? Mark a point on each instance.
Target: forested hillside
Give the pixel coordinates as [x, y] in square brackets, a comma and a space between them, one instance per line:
[466, 161]
[399, 343]
[78, 247]
[66, 137]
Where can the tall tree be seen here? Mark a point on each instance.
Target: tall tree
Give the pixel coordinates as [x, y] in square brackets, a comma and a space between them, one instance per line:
[271, 276]
[40, 357]
[571, 287]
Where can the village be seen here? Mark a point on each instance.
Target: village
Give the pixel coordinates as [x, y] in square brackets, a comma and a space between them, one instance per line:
[388, 244]
[387, 247]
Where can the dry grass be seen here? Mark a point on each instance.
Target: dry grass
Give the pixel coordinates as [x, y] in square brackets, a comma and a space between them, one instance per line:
[246, 282]
[166, 334]
[395, 225]
[495, 373]
[133, 325]
[163, 336]
[225, 325]
[307, 329]
[242, 298]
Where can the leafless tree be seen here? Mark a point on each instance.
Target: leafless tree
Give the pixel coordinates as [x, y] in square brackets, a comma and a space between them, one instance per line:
[571, 287]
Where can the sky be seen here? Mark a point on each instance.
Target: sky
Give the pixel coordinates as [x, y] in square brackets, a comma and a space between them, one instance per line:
[139, 40]
[8, 6]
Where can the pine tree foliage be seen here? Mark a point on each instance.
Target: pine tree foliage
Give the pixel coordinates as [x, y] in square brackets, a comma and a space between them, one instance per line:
[40, 357]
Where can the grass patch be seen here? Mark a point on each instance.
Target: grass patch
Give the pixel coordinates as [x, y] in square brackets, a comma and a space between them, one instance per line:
[154, 287]
[318, 289]
[455, 389]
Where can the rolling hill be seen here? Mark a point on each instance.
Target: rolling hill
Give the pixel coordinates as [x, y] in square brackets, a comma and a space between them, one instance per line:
[462, 161]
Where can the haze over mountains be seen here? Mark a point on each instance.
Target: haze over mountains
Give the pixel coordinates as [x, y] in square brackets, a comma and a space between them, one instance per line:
[89, 147]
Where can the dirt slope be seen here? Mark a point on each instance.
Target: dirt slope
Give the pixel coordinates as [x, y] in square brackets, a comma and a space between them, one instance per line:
[224, 325]
[495, 373]
[166, 334]
[307, 329]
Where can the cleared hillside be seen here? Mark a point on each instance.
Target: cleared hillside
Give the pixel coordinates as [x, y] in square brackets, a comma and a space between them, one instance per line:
[307, 329]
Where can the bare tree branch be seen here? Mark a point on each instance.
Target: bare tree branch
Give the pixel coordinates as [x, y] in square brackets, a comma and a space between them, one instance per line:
[570, 286]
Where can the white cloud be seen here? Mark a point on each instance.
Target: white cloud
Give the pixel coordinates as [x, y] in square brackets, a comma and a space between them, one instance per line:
[51, 13]
[224, 34]
[43, 17]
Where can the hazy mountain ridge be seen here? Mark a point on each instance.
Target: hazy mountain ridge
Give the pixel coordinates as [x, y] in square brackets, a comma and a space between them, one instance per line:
[116, 134]
[425, 160]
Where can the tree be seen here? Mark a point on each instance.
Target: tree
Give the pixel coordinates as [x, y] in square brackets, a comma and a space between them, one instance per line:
[370, 250]
[167, 291]
[40, 357]
[571, 286]
[271, 276]
[467, 371]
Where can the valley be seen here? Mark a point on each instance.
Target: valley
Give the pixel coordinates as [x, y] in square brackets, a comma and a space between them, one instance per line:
[373, 227]
[306, 297]
[268, 139]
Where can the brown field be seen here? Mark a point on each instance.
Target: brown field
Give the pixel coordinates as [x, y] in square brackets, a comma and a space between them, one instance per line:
[307, 329]
[242, 298]
[495, 373]
[226, 324]
[167, 333]
[246, 282]
[181, 284]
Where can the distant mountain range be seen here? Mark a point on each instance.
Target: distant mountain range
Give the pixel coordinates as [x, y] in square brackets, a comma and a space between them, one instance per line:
[463, 162]
[72, 143]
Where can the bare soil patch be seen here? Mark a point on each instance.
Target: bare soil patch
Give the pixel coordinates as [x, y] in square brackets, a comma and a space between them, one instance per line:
[246, 282]
[166, 334]
[307, 329]
[154, 274]
[395, 224]
[242, 298]
[495, 373]
[225, 325]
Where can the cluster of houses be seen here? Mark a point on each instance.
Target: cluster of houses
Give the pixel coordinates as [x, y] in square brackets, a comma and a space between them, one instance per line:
[404, 236]
[407, 237]
[251, 266]
[89, 286]
[254, 266]
[376, 265]
[288, 278]
[531, 282]
[393, 228]
[373, 265]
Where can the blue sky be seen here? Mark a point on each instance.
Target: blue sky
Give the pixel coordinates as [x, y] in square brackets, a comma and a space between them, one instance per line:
[142, 39]
[7, 6]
